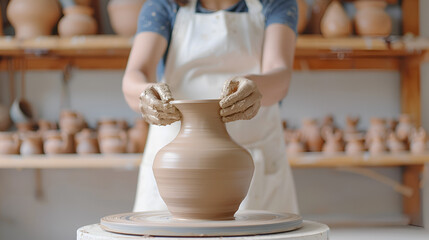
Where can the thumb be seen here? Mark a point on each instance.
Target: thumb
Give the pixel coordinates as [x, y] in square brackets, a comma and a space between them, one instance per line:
[163, 92]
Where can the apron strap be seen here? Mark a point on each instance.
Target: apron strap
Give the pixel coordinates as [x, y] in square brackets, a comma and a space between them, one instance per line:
[254, 6]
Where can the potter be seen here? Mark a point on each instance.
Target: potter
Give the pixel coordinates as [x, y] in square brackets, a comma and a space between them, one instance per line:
[238, 51]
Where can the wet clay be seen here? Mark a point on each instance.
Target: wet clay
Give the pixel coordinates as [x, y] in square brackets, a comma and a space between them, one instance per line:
[202, 173]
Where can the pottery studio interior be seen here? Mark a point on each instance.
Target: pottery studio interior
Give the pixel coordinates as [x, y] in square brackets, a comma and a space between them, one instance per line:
[107, 132]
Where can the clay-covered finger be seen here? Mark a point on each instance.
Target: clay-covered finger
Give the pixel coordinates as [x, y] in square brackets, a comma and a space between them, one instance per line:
[151, 119]
[241, 105]
[246, 115]
[163, 92]
[160, 114]
[149, 97]
[245, 88]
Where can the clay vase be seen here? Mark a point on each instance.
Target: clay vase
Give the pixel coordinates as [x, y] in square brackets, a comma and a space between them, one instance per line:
[86, 142]
[404, 127]
[354, 146]
[137, 136]
[335, 22]
[5, 121]
[333, 141]
[31, 144]
[33, 18]
[77, 21]
[71, 122]
[394, 144]
[378, 145]
[9, 143]
[112, 141]
[311, 135]
[318, 9]
[294, 145]
[202, 173]
[371, 19]
[123, 15]
[377, 127]
[418, 141]
[107, 125]
[302, 15]
[57, 142]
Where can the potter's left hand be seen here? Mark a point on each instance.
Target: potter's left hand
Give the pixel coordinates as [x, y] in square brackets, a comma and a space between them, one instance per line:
[241, 100]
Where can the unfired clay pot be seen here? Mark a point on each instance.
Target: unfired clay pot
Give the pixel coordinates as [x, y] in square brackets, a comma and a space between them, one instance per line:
[71, 122]
[418, 141]
[123, 15]
[377, 127]
[57, 142]
[335, 22]
[404, 127]
[311, 134]
[86, 142]
[371, 19]
[31, 144]
[33, 18]
[107, 125]
[5, 121]
[333, 141]
[354, 146]
[112, 141]
[137, 136]
[202, 173]
[394, 144]
[9, 143]
[302, 15]
[378, 145]
[318, 9]
[294, 144]
[77, 21]
[45, 126]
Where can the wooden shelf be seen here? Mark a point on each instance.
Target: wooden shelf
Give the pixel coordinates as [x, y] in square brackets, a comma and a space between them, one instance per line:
[132, 161]
[111, 52]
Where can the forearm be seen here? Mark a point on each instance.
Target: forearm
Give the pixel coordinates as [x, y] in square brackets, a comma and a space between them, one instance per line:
[273, 84]
[133, 84]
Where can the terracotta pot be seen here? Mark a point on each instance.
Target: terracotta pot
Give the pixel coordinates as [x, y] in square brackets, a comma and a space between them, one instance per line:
[107, 125]
[404, 127]
[355, 146]
[33, 18]
[5, 121]
[123, 15]
[371, 19]
[333, 141]
[137, 136]
[311, 135]
[202, 173]
[377, 127]
[318, 9]
[31, 144]
[87, 142]
[71, 122]
[328, 122]
[77, 21]
[418, 141]
[378, 145]
[335, 22]
[57, 142]
[294, 144]
[394, 144]
[44, 126]
[302, 15]
[112, 141]
[9, 143]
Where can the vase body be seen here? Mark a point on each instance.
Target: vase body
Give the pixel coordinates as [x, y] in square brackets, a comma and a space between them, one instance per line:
[33, 18]
[9, 143]
[202, 173]
[31, 144]
[371, 19]
[112, 141]
[77, 21]
[335, 22]
[57, 142]
[86, 142]
[123, 15]
[302, 15]
[318, 9]
[71, 122]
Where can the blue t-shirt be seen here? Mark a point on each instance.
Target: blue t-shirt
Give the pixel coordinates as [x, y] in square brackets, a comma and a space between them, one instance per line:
[159, 16]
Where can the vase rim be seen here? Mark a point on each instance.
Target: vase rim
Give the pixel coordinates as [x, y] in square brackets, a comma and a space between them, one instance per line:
[195, 101]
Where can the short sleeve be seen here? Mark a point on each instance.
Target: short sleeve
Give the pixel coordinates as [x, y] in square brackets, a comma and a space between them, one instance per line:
[283, 12]
[157, 16]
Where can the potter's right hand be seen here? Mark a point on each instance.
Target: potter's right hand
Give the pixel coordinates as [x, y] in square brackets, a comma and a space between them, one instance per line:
[156, 107]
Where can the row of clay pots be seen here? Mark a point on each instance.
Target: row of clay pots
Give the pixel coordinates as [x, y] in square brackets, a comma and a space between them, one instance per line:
[371, 19]
[380, 137]
[34, 18]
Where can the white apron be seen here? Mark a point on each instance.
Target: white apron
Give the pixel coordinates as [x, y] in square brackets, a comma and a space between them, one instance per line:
[205, 51]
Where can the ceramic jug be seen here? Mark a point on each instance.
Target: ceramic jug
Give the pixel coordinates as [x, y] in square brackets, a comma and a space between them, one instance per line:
[5, 121]
[33, 18]
[418, 141]
[57, 142]
[311, 135]
[333, 141]
[202, 173]
[137, 136]
[9, 143]
[123, 15]
[86, 142]
[302, 15]
[112, 141]
[404, 127]
[31, 143]
[335, 22]
[77, 21]
[71, 122]
[371, 19]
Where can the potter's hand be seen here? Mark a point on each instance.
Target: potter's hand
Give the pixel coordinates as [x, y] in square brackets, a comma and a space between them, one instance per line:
[156, 107]
[241, 100]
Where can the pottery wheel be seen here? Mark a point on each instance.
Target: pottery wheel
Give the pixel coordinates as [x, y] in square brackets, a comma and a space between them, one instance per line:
[161, 223]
